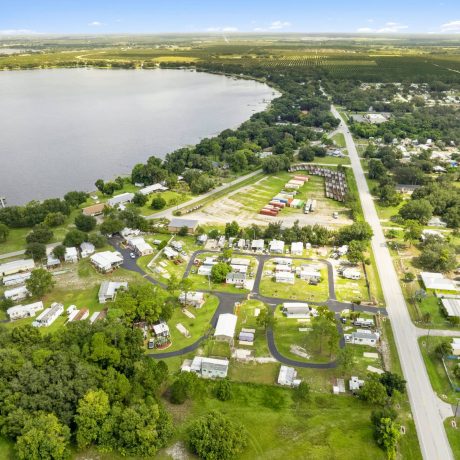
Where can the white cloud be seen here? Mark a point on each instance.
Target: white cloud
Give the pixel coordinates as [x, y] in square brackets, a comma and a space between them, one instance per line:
[389, 27]
[17, 32]
[95, 24]
[451, 26]
[259, 29]
[277, 25]
[222, 29]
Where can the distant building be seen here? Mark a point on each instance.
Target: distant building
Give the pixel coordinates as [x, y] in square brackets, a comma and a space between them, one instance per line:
[152, 189]
[94, 210]
[225, 327]
[297, 310]
[308, 274]
[106, 261]
[176, 224]
[257, 245]
[282, 261]
[451, 307]
[120, 199]
[285, 277]
[201, 239]
[16, 266]
[207, 367]
[48, 316]
[86, 249]
[351, 274]
[363, 337]
[16, 294]
[297, 248]
[24, 311]
[436, 222]
[355, 384]
[192, 299]
[71, 255]
[140, 246]
[456, 346]
[129, 232]
[108, 290]
[437, 281]
[276, 246]
[236, 279]
[287, 377]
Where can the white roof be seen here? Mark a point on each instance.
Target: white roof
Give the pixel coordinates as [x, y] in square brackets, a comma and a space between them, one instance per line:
[152, 188]
[140, 244]
[191, 296]
[276, 245]
[297, 246]
[170, 252]
[31, 308]
[106, 258]
[226, 324]
[88, 247]
[160, 328]
[257, 244]
[437, 281]
[108, 288]
[286, 375]
[71, 252]
[284, 276]
[21, 290]
[19, 265]
[119, 199]
[295, 305]
[178, 223]
[205, 270]
[239, 261]
[452, 306]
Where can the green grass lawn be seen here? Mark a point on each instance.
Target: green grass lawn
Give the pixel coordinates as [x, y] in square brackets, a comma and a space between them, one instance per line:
[339, 140]
[327, 427]
[6, 449]
[454, 436]
[328, 160]
[300, 290]
[435, 369]
[248, 319]
[431, 305]
[351, 290]
[197, 326]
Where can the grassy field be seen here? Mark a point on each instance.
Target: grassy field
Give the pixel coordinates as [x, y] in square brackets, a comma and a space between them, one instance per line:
[197, 326]
[438, 377]
[351, 290]
[300, 290]
[339, 140]
[454, 436]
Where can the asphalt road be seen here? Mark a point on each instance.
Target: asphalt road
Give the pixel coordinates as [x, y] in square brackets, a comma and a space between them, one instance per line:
[426, 407]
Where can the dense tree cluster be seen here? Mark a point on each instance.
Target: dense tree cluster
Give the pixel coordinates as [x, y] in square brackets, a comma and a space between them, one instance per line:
[88, 384]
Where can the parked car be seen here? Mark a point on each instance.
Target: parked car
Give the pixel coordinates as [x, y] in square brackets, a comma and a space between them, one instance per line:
[132, 255]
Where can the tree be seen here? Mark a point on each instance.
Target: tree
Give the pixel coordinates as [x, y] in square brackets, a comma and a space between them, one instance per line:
[92, 412]
[358, 231]
[99, 241]
[302, 392]
[185, 285]
[437, 256]
[265, 319]
[387, 436]
[173, 284]
[443, 349]
[4, 232]
[54, 219]
[393, 382]
[74, 237]
[184, 387]
[346, 359]
[158, 202]
[373, 391]
[111, 225]
[322, 328]
[59, 252]
[183, 231]
[376, 169]
[215, 437]
[219, 272]
[75, 199]
[40, 234]
[139, 199]
[100, 185]
[43, 437]
[419, 210]
[40, 282]
[232, 229]
[36, 250]
[306, 153]
[223, 390]
[413, 230]
[85, 223]
[355, 252]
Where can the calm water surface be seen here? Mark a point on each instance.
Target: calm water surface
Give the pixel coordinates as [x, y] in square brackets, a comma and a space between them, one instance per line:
[62, 129]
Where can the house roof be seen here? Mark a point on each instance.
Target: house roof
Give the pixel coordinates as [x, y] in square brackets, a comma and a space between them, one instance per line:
[452, 306]
[152, 188]
[258, 244]
[108, 288]
[121, 198]
[179, 223]
[236, 276]
[286, 375]
[226, 324]
[25, 264]
[106, 258]
[276, 245]
[94, 209]
[88, 247]
[437, 281]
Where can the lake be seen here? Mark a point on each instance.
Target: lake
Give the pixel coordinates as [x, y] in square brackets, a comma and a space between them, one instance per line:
[62, 129]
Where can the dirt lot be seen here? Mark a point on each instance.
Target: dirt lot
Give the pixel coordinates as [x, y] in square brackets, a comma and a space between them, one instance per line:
[243, 205]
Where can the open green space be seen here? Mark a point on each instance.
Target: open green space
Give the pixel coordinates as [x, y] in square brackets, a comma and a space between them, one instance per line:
[197, 326]
[339, 140]
[351, 290]
[436, 371]
[454, 436]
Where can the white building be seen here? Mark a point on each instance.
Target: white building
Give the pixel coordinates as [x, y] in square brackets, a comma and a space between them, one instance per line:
[363, 337]
[161, 329]
[363, 322]
[108, 290]
[71, 255]
[239, 268]
[52, 261]
[355, 384]
[205, 270]
[170, 253]
[193, 299]
[152, 189]
[239, 261]
[236, 279]
[16, 294]
[106, 261]
[431, 233]
[276, 246]
[257, 245]
[436, 222]
[437, 281]
[296, 310]
[140, 246]
[451, 307]
[86, 249]
[308, 273]
[209, 368]
[121, 199]
[287, 377]
[225, 327]
[16, 266]
[49, 316]
[127, 232]
[285, 277]
[18, 278]
[24, 311]
[456, 346]
[351, 273]
[342, 250]
[297, 248]
[282, 261]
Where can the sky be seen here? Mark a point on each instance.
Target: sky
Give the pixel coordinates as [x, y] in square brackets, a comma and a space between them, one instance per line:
[228, 16]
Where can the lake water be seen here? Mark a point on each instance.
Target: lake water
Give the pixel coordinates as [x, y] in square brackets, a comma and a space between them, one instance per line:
[62, 129]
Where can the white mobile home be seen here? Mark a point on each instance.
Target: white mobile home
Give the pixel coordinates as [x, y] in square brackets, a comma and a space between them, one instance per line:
[140, 246]
[108, 290]
[121, 199]
[86, 249]
[152, 189]
[296, 310]
[282, 261]
[287, 377]
[209, 367]
[48, 316]
[106, 261]
[239, 261]
[16, 294]
[225, 327]
[170, 253]
[18, 278]
[16, 266]
[285, 277]
[257, 245]
[193, 299]
[205, 270]
[276, 246]
[351, 274]
[24, 311]
[363, 337]
[236, 279]
[71, 255]
[308, 274]
[297, 248]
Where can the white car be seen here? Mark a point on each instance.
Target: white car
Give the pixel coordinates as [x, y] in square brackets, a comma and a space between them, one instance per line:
[132, 255]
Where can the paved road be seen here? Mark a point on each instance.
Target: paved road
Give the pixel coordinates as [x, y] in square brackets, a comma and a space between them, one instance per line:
[436, 332]
[168, 213]
[23, 251]
[425, 405]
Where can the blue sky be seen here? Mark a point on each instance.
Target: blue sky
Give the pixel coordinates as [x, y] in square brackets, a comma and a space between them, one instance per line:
[230, 16]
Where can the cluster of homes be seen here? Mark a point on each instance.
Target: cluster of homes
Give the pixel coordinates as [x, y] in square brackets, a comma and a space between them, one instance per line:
[71, 255]
[14, 275]
[286, 198]
[335, 181]
[363, 335]
[285, 272]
